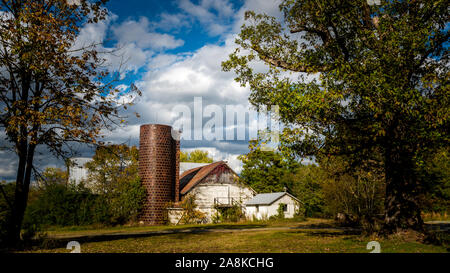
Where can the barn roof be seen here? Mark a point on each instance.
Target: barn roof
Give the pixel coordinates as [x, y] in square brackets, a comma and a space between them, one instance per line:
[192, 177]
[267, 198]
[184, 166]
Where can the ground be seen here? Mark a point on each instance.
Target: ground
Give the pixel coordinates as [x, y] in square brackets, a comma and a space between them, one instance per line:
[312, 236]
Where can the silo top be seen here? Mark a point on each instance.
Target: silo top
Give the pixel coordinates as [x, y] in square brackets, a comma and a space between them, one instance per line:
[156, 125]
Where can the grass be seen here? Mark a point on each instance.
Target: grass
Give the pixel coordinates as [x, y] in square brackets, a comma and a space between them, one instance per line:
[70, 231]
[312, 236]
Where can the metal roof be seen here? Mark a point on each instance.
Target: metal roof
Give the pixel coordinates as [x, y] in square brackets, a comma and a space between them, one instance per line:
[184, 166]
[188, 181]
[267, 198]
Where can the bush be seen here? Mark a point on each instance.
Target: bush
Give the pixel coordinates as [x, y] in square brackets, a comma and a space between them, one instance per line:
[190, 213]
[228, 214]
[125, 203]
[71, 205]
[5, 211]
[61, 205]
[280, 211]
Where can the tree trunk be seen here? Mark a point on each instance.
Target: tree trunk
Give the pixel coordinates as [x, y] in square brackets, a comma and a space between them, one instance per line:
[402, 210]
[23, 179]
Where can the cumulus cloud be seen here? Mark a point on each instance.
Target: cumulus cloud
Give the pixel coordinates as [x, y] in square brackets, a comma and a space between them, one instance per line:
[169, 21]
[138, 32]
[214, 15]
[199, 74]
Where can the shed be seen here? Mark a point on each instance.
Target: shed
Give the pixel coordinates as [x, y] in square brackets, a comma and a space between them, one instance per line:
[264, 205]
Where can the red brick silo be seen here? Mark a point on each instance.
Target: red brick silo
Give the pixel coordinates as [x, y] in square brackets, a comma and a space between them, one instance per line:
[159, 155]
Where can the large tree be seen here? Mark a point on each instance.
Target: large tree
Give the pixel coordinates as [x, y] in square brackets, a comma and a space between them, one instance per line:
[51, 94]
[380, 85]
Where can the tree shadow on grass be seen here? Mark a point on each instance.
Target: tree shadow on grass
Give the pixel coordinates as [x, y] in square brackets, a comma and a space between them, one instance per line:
[329, 232]
[50, 243]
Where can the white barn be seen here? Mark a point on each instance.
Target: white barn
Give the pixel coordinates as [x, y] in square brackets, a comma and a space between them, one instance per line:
[264, 205]
[213, 185]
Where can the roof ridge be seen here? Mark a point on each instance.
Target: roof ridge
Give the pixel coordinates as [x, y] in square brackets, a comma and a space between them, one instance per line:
[200, 175]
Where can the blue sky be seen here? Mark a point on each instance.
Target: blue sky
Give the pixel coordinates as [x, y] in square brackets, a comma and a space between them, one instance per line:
[171, 50]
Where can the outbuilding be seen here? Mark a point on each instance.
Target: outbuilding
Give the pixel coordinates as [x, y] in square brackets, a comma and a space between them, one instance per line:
[264, 205]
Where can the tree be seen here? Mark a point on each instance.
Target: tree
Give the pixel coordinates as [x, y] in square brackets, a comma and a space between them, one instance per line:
[435, 176]
[113, 174]
[305, 182]
[51, 94]
[196, 156]
[263, 170]
[358, 194]
[110, 165]
[52, 176]
[379, 85]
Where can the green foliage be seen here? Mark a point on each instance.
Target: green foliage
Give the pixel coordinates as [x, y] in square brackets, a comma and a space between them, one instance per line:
[62, 205]
[126, 203]
[436, 180]
[280, 211]
[263, 170]
[52, 176]
[358, 195]
[190, 213]
[117, 198]
[6, 201]
[196, 156]
[228, 214]
[113, 173]
[305, 183]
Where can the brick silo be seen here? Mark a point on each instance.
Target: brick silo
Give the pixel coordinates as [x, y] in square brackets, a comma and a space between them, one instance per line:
[159, 155]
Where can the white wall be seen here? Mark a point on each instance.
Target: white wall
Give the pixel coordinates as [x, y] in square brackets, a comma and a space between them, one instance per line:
[205, 194]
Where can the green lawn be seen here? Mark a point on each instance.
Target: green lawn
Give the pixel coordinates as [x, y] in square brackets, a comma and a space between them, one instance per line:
[314, 235]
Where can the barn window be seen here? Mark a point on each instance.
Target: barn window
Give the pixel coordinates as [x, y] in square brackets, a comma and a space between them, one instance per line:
[257, 208]
[285, 207]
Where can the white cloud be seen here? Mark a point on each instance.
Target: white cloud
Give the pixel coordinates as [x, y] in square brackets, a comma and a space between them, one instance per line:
[138, 32]
[172, 21]
[94, 33]
[199, 74]
[214, 15]
[259, 6]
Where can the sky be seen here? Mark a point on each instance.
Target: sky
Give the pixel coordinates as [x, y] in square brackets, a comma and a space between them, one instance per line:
[172, 51]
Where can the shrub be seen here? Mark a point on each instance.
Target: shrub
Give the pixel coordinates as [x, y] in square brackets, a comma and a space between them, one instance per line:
[61, 205]
[229, 214]
[6, 199]
[126, 201]
[190, 214]
[280, 211]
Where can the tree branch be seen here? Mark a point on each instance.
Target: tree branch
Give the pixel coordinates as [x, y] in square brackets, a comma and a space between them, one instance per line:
[284, 65]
